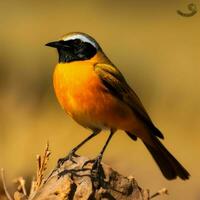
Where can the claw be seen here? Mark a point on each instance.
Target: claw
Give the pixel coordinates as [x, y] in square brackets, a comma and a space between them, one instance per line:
[87, 162]
[97, 173]
[96, 162]
[68, 157]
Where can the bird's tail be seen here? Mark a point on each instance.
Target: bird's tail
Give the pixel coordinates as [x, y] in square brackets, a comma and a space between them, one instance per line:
[168, 165]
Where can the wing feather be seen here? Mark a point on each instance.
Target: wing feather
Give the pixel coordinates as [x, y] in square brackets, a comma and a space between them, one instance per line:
[114, 81]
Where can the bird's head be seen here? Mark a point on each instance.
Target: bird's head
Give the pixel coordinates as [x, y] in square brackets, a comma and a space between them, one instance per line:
[75, 46]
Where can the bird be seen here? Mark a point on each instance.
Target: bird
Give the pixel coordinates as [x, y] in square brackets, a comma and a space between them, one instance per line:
[93, 91]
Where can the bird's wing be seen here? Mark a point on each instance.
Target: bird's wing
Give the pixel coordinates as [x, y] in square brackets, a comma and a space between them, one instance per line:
[114, 81]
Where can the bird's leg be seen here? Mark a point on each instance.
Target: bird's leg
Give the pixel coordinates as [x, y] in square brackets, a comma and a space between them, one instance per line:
[97, 172]
[72, 152]
[99, 157]
[96, 168]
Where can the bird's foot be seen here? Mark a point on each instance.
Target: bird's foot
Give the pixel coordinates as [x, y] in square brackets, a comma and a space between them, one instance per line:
[96, 161]
[68, 157]
[97, 174]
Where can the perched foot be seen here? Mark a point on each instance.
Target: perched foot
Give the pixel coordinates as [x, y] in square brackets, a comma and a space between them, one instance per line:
[96, 162]
[62, 160]
[97, 173]
[68, 157]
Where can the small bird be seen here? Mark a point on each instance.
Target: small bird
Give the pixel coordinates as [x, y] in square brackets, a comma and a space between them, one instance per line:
[92, 90]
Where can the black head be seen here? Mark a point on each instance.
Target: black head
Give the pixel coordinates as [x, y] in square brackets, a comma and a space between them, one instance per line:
[75, 46]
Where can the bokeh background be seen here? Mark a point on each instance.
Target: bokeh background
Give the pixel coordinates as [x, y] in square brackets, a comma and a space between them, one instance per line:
[156, 49]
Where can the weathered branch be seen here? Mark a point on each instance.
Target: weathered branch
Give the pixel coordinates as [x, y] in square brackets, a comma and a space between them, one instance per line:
[71, 181]
[74, 180]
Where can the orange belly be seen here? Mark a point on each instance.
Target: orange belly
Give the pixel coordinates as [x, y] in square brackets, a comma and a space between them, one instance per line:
[83, 96]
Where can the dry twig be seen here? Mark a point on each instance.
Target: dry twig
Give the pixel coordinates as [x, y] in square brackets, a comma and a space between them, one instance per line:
[162, 191]
[41, 168]
[21, 185]
[4, 185]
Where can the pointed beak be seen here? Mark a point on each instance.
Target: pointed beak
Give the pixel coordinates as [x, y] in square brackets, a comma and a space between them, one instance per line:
[55, 44]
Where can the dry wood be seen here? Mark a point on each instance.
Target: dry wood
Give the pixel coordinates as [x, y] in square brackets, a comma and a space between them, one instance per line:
[75, 181]
[72, 182]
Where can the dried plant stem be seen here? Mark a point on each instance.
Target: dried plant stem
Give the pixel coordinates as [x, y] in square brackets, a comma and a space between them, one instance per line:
[160, 192]
[21, 185]
[4, 185]
[41, 167]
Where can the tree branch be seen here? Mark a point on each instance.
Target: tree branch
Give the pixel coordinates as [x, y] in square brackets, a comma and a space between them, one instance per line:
[74, 180]
[71, 181]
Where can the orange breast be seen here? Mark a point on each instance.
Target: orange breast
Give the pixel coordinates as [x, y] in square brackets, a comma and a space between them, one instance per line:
[83, 96]
[74, 83]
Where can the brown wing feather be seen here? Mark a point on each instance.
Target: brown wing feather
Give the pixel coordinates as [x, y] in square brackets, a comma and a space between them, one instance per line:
[114, 81]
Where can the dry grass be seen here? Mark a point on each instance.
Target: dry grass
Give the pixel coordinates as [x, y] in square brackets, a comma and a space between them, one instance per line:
[37, 181]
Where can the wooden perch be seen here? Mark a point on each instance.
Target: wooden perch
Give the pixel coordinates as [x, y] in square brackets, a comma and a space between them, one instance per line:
[71, 182]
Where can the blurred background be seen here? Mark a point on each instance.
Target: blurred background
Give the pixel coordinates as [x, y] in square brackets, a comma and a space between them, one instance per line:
[156, 49]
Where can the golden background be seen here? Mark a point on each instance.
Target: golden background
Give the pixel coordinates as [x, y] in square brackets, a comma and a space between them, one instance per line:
[156, 49]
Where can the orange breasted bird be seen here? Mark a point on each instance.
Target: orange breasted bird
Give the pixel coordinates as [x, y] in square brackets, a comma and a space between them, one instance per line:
[92, 90]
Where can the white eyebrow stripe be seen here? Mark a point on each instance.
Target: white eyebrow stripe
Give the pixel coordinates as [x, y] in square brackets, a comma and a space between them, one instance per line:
[81, 37]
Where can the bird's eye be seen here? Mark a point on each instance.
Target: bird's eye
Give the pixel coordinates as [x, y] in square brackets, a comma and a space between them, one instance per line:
[78, 42]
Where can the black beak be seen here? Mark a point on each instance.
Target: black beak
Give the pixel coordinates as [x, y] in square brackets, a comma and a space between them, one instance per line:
[55, 44]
